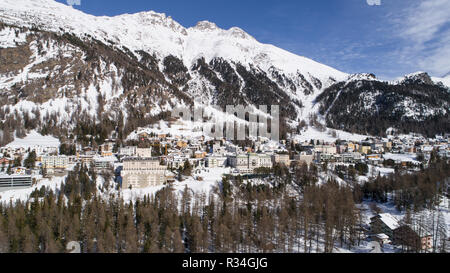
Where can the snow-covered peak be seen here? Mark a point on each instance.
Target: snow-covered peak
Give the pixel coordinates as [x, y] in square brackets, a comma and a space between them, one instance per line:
[362, 76]
[239, 33]
[206, 25]
[156, 33]
[418, 76]
[150, 19]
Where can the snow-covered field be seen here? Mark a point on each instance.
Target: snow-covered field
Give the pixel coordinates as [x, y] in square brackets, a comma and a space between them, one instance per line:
[313, 133]
[401, 157]
[33, 140]
[24, 194]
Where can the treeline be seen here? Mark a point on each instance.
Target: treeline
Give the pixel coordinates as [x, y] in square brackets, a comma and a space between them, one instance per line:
[377, 108]
[411, 191]
[289, 212]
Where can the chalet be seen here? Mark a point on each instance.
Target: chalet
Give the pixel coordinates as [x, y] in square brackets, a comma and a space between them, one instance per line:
[384, 223]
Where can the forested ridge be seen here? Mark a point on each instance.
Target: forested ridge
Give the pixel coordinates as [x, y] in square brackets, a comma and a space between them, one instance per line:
[371, 107]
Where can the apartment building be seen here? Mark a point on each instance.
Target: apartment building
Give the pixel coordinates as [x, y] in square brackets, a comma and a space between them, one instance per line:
[281, 159]
[128, 151]
[144, 152]
[325, 149]
[55, 162]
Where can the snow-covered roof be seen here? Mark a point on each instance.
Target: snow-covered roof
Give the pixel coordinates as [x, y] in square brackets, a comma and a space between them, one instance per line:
[382, 236]
[14, 176]
[105, 158]
[401, 157]
[389, 220]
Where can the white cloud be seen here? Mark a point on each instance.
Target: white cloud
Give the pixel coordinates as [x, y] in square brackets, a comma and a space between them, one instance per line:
[373, 2]
[425, 27]
[74, 2]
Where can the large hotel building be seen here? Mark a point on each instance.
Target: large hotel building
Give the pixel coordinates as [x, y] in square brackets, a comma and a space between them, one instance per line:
[142, 172]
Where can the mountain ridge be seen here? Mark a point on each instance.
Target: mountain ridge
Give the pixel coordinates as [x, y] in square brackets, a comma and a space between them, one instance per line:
[163, 42]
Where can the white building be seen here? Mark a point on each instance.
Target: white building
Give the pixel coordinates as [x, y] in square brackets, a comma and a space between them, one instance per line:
[128, 151]
[142, 172]
[104, 162]
[216, 161]
[247, 163]
[144, 152]
[55, 162]
[281, 159]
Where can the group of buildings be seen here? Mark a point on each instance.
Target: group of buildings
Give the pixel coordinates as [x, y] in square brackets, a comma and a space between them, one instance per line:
[385, 228]
[165, 154]
[401, 150]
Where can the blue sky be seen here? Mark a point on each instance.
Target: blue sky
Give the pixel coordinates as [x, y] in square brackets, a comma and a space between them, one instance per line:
[394, 38]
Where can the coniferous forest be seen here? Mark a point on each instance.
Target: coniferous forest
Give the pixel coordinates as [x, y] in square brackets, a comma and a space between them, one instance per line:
[236, 217]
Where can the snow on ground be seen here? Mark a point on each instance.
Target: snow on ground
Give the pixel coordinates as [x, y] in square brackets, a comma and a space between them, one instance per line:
[375, 171]
[445, 81]
[313, 133]
[9, 38]
[34, 139]
[401, 157]
[444, 207]
[216, 119]
[23, 194]
[156, 32]
[174, 130]
[211, 178]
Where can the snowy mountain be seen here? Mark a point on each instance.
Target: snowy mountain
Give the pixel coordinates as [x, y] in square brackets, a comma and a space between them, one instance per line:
[414, 103]
[63, 71]
[156, 33]
[445, 80]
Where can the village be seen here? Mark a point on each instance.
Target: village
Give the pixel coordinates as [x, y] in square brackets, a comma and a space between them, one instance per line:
[159, 158]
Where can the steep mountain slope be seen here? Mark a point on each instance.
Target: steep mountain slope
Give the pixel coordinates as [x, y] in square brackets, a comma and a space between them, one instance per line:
[70, 66]
[413, 104]
[444, 80]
